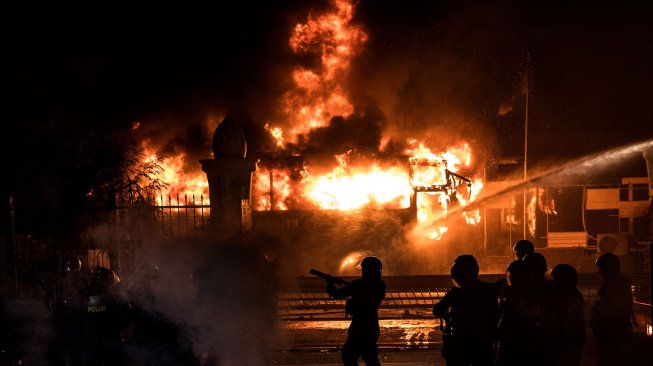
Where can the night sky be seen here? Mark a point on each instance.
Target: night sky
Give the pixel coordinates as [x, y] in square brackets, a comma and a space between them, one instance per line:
[96, 67]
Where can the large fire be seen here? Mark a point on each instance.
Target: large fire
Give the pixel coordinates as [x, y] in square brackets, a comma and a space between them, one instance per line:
[318, 95]
[424, 176]
[182, 187]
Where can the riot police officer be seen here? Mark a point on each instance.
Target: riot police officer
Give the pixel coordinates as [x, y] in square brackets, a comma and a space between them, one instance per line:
[64, 346]
[612, 312]
[570, 317]
[471, 308]
[365, 296]
[105, 314]
[522, 248]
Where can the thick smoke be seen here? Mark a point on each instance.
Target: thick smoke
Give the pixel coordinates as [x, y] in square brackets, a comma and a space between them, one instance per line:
[440, 71]
[360, 132]
[223, 294]
[219, 296]
[439, 74]
[192, 138]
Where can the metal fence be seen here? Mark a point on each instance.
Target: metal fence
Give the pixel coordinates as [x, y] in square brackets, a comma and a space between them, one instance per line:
[176, 215]
[405, 295]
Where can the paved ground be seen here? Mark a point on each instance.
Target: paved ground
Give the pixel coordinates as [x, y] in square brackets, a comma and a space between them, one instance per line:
[402, 342]
[302, 342]
[404, 357]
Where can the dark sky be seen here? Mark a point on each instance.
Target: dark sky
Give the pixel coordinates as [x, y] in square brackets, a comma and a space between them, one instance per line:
[427, 64]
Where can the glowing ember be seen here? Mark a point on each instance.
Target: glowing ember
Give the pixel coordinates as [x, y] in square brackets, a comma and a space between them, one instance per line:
[438, 232]
[277, 134]
[472, 217]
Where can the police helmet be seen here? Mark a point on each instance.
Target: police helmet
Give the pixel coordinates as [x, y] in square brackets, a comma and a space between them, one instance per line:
[523, 247]
[104, 276]
[515, 266]
[535, 264]
[565, 275]
[465, 267]
[372, 262]
[608, 263]
[515, 272]
[71, 263]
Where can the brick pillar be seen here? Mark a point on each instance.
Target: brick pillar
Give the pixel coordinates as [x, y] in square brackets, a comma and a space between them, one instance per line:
[230, 177]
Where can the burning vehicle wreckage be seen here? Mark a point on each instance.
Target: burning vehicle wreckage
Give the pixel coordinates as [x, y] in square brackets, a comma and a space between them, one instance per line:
[451, 186]
[397, 210]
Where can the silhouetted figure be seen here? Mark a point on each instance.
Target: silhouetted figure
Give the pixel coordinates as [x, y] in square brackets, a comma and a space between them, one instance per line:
[570, 317]
[542, 290]
[502, 285]
[522, 248]
[105, 314]
[612, 313]
[65, 344]
[365, 296]
[471, 309]
[528, 317]
[515, 315]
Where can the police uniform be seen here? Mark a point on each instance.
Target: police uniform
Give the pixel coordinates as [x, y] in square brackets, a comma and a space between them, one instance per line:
[472, 312]
[365, 296]
[105, 314]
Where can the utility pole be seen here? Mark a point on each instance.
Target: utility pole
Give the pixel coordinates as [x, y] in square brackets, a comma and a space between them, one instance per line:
[528, 61]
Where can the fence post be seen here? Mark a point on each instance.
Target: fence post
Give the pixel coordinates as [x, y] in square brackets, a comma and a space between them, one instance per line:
[186, 211]
[194, 214]
[171, 211]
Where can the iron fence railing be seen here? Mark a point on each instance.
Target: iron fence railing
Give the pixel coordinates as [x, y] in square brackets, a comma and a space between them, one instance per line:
[316, 304]
[404, 295]
[175, 215]
[182, 215]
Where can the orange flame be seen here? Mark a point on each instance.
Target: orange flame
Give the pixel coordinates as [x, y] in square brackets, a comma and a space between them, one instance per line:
[318, 94]
[277, 134]
[345, 190]
[183, 187]
[438, 232]
[531, 214]
[472, 217]
[271, 189]
[348, 187]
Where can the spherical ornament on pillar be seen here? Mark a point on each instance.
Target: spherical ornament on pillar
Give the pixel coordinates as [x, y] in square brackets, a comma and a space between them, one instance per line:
[229, 140]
